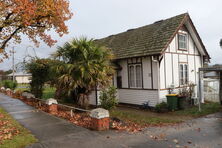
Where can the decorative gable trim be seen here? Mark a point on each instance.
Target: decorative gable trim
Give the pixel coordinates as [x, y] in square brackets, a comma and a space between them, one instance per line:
[181, 26]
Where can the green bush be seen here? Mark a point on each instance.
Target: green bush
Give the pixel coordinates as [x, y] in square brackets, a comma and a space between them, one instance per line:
[108, 98]
[161, 107]
[9, 84]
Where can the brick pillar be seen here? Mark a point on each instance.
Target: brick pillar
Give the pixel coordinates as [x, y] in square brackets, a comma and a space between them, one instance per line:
[100, 119]
[52, 105]
[3, 89]
[53, 108]
[8, 92]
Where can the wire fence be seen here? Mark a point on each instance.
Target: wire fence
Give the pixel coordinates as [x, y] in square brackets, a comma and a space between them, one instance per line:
[71, 108]
[61, 106]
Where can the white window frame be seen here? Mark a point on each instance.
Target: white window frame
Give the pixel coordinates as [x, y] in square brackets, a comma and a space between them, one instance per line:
[183, 74]
[184, 42]
[135, 79]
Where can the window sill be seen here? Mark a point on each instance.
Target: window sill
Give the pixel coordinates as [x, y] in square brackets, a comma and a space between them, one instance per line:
[183, 49]
[135, 87]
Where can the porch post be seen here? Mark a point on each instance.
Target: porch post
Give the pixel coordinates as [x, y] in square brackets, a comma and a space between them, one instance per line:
[200, 95]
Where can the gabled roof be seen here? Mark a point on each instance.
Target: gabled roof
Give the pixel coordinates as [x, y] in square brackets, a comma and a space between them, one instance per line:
[152, 39]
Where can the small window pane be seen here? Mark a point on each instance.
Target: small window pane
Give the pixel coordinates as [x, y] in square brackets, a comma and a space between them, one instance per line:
[135, 76]
[182, 41]
[132, 77]
[181, 74]
[186, 73]
[138, 76]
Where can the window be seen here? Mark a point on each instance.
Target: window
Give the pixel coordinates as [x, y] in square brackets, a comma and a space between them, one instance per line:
[182, 41]
[183, 74]
[119, 82]
[135, 76]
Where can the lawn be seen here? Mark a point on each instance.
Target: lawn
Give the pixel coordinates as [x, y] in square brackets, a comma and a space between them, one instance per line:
[143, 117]
[48, 91]
[22, 87]
[207, 108]
[12, 134]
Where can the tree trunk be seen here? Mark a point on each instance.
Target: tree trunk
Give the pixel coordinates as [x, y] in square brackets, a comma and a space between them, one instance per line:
[83, 101]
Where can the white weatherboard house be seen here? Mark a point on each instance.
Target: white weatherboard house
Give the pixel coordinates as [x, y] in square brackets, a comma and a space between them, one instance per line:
[153, 58]
[21, 77]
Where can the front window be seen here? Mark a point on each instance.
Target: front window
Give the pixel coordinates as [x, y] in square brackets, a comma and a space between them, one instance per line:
[135, 76]
[183, 74]
[182, 41]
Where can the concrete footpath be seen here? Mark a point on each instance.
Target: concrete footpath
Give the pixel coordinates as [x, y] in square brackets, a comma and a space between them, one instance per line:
[53, 132]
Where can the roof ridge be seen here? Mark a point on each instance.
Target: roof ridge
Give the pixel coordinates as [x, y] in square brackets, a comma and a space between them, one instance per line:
[146, 40]
[156, 22]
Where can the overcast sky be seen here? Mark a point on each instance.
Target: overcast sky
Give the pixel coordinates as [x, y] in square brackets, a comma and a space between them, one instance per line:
[101, 18]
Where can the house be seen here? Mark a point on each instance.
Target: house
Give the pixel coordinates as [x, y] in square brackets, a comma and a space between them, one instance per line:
[21, 77]
[154, 58]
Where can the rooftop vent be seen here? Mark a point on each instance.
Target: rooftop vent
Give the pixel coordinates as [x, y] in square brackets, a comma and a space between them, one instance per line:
[130, 30]
[158, 21]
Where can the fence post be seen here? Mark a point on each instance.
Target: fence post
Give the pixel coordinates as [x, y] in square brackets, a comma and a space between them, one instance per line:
[52, 105]
[100, 119]
[71, 113]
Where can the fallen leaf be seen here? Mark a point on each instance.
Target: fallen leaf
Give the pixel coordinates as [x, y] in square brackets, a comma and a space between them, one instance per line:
[175, 141]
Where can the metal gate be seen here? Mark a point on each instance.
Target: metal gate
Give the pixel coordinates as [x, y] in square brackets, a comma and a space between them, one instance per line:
[211, 90]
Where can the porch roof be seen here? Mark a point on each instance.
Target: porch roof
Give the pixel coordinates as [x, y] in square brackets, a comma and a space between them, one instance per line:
[213, 68]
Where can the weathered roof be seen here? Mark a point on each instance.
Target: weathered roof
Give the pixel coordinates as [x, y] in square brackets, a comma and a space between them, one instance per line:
[148, 40]
[20, 74]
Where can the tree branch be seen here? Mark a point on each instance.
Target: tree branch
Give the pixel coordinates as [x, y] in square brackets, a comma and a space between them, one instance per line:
[9, 38]
[6, 18]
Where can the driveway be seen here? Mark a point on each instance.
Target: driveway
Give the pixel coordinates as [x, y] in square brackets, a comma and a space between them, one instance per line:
[54, 132]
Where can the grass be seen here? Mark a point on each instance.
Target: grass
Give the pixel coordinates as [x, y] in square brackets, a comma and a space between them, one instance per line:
[22, 87]
[147, 117]
[143, 117]
[48, 91]
[207, 108]
[22, 139]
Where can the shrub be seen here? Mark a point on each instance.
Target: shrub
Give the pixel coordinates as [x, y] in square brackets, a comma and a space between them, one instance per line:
[108, 98]
[9, 84]
[161, 107]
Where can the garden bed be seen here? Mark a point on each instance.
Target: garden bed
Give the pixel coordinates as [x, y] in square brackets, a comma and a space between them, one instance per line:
[82, 118]
[125, 118]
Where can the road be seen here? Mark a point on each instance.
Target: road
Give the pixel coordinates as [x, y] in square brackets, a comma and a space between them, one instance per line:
[53, 132]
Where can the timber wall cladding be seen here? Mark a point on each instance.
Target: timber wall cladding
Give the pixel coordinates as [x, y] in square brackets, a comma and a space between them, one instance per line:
[169, 67]
[138, 97]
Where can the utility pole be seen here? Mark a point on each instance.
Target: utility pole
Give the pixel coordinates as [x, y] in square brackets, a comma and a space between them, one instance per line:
[13, 64]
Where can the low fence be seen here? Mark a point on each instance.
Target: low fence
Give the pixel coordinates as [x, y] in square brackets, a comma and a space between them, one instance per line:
[93, 119]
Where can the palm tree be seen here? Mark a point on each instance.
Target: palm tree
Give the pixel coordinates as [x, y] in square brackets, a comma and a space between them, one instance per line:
[86, 65]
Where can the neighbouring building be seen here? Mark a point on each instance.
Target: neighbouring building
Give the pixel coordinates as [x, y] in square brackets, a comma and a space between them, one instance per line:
[154, 58]
[21, 77]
